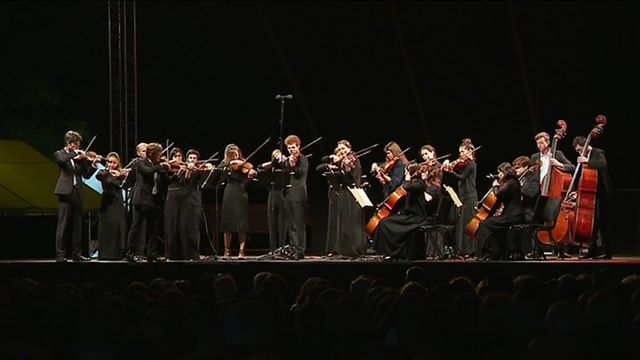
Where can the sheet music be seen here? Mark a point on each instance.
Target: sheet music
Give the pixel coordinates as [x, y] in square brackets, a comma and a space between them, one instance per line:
[454, 196]
[361, 197]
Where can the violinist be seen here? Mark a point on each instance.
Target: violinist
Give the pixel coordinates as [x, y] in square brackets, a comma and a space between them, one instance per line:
[464, 170]
[390, 173]
[345, 228]
[74, 165]
[130, 179]
[235, 200]
[397, 236]
[275, 211]
[595, 158]
[430, 168]
[492, 232]
[180, 217]
[148, 198]
[295, 195]
[543, 142]
[112, 231]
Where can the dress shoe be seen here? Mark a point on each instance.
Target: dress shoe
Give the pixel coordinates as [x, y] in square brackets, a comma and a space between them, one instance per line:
[61, 260]
[134, 258]
[604, 256]
[80, 258]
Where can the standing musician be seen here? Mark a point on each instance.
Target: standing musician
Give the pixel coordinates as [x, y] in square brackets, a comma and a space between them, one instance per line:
[492, 232]
[235, 200]
[345, 228]
[464, 169]
[275, 211]
[148, 200]
[396, 236]
[74, 165]
[543, 142]
[390, 173]
[295, 195]
[113, 215]
[595, 159]
[182, 211]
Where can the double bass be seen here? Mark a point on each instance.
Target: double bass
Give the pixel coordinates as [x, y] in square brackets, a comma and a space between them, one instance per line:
[581, 204]
[554, 186]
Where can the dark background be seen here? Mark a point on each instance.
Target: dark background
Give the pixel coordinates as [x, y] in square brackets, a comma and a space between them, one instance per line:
[415, 73]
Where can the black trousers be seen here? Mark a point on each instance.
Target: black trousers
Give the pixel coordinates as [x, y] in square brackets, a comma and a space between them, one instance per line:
[294, 224]
[69, 225]
[146, 220]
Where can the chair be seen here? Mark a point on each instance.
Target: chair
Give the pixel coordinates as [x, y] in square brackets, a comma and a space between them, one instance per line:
[439, 229]
[544, 219]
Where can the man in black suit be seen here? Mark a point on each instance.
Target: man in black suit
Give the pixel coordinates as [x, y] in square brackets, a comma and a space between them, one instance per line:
[73, 165]
[295, 196]
[595, 158]
[147, 205]
[543, 142]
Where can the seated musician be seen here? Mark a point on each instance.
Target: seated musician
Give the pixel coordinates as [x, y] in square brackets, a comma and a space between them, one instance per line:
[397, 236]
[492, 232]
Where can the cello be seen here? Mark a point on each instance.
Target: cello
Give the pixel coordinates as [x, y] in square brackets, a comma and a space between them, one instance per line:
[584, 206]
[554, 186]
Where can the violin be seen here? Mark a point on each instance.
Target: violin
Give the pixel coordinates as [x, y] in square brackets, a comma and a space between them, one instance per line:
[243, 167]
[94, 157]
[119, 173]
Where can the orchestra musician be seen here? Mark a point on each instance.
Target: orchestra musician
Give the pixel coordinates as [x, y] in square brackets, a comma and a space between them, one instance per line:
[112, 232]
[530, 191]
[275, 211]
[464, 170]
[391, 173]
[74, 165]
[345, 226]
[147, 201]
[235, 200]
[595, 158]
[492, 232]
[397, 236]
[430, 167]
[543, 142]
[295, 196]
[182, 211]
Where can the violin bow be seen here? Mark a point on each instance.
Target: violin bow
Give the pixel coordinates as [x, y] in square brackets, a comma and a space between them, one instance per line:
[365, 150]
[256, 150]
[90, 143]
[311, 143]
[167, 148]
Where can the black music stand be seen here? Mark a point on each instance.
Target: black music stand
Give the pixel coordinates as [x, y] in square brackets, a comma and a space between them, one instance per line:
[214, 180]
[274, 179]
[338, 179]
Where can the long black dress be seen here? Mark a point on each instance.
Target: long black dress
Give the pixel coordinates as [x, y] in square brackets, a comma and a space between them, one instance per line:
[397, 236]
[345, 225]
[112, 230]
[182, 218]
[235, 203]
[469, 196]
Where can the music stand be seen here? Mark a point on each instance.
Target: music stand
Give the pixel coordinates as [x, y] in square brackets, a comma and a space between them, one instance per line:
[274, 179]
[338, 179]
[213, 181]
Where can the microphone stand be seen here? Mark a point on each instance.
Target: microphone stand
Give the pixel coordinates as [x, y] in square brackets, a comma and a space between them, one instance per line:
[281, 140]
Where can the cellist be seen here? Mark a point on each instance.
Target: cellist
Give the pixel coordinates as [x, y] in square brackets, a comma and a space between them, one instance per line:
[595, 158]
[492, 232]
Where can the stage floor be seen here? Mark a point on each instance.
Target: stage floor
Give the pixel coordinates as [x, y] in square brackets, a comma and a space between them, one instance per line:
[118, 274]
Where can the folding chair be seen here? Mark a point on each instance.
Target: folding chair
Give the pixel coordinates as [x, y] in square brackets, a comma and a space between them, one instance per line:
[544, 219]
[441, 227]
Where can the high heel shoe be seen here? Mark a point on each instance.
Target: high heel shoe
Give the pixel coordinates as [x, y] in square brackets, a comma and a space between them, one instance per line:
[241, 254]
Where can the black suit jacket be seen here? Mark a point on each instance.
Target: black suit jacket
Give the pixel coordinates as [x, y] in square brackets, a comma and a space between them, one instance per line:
[568, 166]
[598, 161]
[297, 191]
[80, 169]
[143, 191]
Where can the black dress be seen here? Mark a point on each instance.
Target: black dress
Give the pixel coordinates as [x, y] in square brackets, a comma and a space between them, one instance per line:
[469, 196]
[112, 230]
[182, 218]
[235, 203]
[345, 225]
[398, 236]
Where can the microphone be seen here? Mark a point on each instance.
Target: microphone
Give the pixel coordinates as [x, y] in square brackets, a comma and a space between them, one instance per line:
[284, 97]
